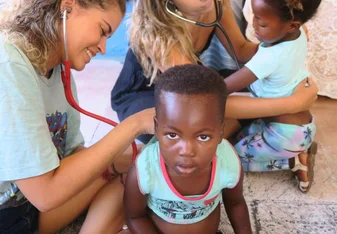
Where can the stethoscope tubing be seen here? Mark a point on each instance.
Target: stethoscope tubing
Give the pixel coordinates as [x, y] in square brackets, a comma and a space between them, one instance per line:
[66, 74]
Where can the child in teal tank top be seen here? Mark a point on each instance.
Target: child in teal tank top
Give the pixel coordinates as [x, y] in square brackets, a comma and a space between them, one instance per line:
[178, 180]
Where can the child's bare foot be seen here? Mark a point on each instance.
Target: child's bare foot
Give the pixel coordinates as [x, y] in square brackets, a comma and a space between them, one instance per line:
[303, 168]
[301, 174]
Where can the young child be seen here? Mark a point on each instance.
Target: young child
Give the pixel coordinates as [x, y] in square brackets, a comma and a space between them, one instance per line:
[249, 16]
[177, 182]
[276, 69]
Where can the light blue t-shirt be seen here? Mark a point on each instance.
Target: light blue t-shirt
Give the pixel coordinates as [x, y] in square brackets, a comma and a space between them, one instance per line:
[166, 202]
[279, 68]
[38, 126]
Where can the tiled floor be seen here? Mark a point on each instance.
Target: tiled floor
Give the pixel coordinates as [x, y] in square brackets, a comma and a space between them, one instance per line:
[275, 204]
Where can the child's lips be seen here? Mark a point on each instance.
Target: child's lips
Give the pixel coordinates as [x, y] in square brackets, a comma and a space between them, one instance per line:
[186, 168]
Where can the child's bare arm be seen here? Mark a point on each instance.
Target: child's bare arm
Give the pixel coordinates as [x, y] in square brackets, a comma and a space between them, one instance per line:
[135, 206]
[236, 208]
[239, 80]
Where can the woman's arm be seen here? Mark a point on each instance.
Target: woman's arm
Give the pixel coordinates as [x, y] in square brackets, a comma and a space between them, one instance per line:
[244, 49]
[135, 206]
[54, 188]
[78, 149]
[243, 107]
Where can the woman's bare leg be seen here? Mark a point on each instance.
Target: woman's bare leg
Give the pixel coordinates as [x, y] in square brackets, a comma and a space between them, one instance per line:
[106, 214]
[98, 194]
[54, 220]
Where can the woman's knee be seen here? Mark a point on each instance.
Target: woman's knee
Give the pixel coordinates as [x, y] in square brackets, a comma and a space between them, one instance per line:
[106, 213]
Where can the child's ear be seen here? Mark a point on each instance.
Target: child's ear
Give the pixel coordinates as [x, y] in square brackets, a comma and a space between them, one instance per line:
[294, 25]
[222, 129]
[155, 125]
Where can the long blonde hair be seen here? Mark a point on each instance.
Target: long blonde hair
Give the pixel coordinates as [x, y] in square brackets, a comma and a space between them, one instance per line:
[35, 27]
[153, 35]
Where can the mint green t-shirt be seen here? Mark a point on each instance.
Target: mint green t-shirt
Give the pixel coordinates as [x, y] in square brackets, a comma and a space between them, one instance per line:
[38, 127]
[279, 68]
[167, 203]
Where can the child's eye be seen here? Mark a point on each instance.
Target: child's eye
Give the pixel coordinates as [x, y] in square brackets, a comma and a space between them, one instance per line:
[203, 138]
[262, 26]
[172, 136]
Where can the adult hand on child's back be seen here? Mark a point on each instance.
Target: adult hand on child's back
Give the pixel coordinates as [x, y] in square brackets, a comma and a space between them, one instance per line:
[145, 119]
[305, 95]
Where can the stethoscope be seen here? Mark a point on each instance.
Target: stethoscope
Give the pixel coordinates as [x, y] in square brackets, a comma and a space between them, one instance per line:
[66, 80]
[216, 23]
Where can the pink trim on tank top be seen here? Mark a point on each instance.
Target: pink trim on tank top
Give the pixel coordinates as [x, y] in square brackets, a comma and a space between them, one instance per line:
[174, 190]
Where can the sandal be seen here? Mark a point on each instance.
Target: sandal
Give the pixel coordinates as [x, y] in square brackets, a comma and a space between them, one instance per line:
[304, 187]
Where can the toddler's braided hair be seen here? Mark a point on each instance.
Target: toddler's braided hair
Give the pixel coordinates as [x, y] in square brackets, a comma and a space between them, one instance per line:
[294, 5]
[301, 10]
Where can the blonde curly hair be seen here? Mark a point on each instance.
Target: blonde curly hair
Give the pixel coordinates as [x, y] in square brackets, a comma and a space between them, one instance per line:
[35, 27]
[153, 35]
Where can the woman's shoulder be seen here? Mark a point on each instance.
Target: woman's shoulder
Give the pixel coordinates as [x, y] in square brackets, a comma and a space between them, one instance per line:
[12, 54]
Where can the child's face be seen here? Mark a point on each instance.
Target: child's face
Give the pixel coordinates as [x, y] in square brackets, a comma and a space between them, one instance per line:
[267, 24]
[189, 129]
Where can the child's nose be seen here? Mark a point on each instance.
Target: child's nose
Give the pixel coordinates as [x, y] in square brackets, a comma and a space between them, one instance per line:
[187, 149]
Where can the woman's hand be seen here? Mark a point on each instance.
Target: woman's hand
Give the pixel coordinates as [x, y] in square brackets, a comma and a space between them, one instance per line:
[304, 95]
[145, 121]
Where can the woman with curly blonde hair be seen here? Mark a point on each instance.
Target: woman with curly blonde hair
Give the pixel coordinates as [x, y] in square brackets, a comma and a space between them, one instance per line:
[159, 41]
[47, 176]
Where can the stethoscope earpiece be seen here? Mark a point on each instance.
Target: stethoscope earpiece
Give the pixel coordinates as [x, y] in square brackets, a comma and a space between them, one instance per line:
[65, 12]
[69, 9]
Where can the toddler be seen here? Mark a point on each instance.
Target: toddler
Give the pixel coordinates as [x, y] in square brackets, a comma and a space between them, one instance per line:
[177, 182]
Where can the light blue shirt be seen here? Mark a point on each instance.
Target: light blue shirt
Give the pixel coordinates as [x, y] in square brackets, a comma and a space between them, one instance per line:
[216, 56]
[279, 68]
[38, 127]
[166, 202]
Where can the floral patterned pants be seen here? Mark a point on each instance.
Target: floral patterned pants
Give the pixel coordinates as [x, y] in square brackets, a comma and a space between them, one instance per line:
[268, 147]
